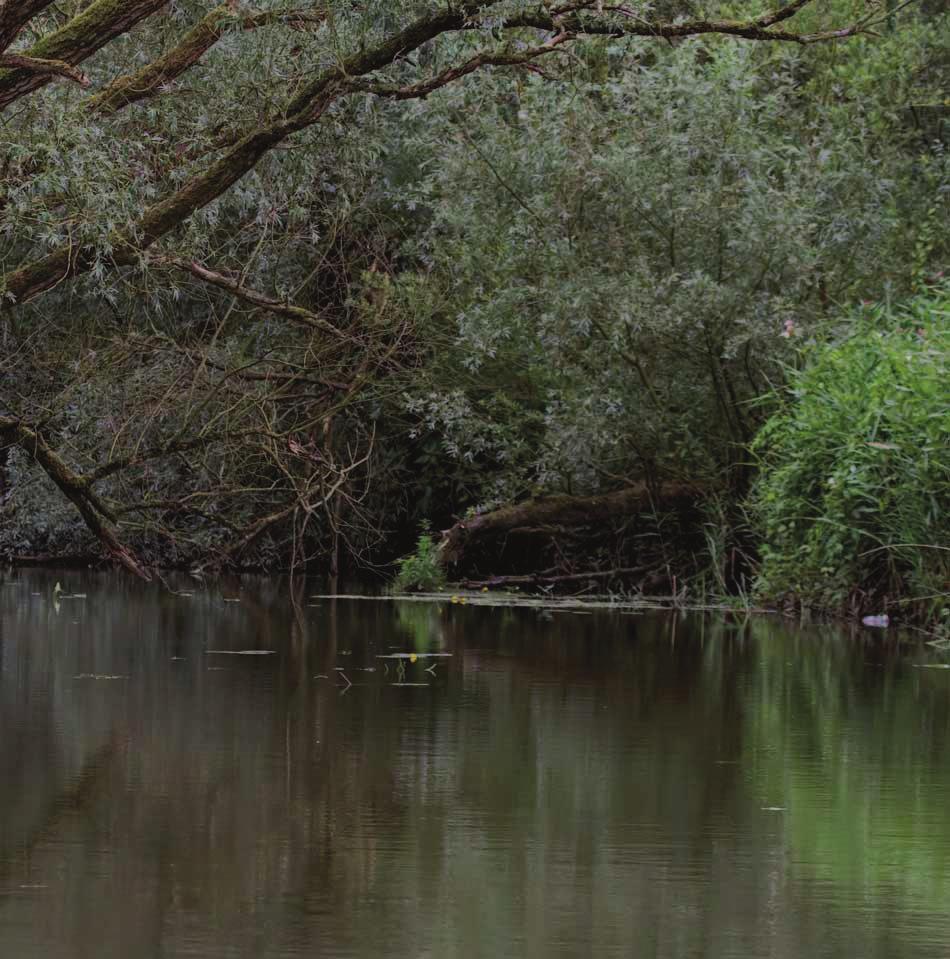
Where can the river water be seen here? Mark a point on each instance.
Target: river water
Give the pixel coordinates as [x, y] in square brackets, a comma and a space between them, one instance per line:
[553, 784]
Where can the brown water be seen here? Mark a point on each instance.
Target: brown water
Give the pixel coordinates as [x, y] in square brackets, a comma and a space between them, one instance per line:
[559, 785]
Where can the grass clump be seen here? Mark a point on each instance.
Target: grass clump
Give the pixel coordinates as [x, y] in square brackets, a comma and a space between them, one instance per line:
[421, 570]
[853, 496]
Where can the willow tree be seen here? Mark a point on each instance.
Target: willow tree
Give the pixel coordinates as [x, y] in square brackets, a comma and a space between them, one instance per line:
[173, 167]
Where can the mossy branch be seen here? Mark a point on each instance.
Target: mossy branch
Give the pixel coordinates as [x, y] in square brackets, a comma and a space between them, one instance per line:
[75, 487]
[41, 66]
[307, 106]
[100, 23]
[155, 77]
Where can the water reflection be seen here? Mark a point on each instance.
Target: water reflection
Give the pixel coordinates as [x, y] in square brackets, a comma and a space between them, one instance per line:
[557, 785]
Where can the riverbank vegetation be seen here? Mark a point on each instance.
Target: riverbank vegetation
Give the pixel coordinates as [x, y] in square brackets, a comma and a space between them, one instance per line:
[854, 486]
[577, 283]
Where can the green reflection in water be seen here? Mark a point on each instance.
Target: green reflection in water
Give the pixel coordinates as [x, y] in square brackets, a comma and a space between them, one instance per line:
[563, 785]
[853, 741]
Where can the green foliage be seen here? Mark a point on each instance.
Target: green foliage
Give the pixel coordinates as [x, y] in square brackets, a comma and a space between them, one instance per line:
[421, 571]
[561, 279]
[854, 493]
[620, 252]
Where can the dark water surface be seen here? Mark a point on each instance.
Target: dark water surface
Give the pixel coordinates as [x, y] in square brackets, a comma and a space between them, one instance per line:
[559, 785]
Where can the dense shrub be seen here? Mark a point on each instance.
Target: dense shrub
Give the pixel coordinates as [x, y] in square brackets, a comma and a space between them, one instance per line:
[611, 263]
[854, 493]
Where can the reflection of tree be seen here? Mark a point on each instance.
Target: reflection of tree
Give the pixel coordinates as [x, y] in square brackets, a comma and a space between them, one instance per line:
[422, 622]
[849, 740]
[566, 785]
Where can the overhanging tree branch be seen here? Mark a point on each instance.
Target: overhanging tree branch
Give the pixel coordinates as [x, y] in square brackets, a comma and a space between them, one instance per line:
[152, 78]
[301, 112]
[230, 285]
[141, 457]
[38, 65]
[307, 106]
[486, 58]
[101, 22]
[306, 499]
[629, 23]
[15, 15]
[75, 488]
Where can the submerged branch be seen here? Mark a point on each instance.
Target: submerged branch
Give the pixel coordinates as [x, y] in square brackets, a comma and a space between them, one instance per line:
[542, 579]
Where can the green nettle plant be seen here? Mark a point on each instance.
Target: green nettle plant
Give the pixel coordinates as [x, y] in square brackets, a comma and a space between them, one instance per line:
[421, 571]
[853, 499]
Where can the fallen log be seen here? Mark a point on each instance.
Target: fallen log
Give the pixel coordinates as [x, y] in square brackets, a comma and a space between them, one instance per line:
[556, 515]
